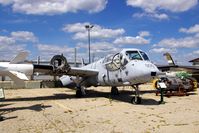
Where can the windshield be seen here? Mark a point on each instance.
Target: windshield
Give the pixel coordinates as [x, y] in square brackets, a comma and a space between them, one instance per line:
[144, 55]
[133, 55]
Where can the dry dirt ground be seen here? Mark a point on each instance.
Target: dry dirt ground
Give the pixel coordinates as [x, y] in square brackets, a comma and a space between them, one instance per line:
[58, 111]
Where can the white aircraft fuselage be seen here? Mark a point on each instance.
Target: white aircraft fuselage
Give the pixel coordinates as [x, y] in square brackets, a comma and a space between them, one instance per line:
[16, 69]
[129, 67]
[23, 68]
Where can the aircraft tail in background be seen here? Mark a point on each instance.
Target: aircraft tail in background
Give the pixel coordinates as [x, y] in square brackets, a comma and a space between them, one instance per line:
[19, 58]
[169, 59]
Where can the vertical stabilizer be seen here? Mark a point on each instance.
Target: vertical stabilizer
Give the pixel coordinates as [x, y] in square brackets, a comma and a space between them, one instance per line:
[19, 58]
[169, 59]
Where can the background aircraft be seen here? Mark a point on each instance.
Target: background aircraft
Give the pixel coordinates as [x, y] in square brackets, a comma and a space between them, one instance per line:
[16, 69]
[193, 70]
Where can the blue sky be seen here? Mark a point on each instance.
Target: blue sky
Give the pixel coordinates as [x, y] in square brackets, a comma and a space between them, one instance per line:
[48, 27]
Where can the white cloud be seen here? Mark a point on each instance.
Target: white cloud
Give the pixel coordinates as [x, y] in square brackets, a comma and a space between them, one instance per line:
[12, 44]
[6, 2]
[77, 27]
[9, 48]
[155, 15]
[153, 8]
[138, 40]
[187, 42]
[170, 5]
[4, 40]
[100, 47]
[24, 36]
[56, 49]
[193, 29]
[196, 52]
[144, 33]
[51, 7]
[163, 50]
[47, 51]
[97, 32]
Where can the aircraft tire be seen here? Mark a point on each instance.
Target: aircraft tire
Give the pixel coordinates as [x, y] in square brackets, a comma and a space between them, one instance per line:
[78, 93]
[1, 118]
[138, 101]
[114, 91]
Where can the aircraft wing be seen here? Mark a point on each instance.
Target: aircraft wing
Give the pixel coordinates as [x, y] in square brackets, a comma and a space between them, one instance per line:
[179, 68]
[82, 72]
[173, 66]
[73, 71]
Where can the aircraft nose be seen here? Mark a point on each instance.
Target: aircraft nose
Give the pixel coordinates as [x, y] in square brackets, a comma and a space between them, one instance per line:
[150, 71]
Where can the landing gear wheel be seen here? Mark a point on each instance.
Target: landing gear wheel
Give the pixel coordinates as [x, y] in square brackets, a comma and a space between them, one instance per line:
[78, 93]
[137, 100]
[1, 118]
[114, 91]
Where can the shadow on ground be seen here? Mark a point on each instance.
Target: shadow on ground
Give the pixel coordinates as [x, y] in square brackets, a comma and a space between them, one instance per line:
[36, 107]
[124, 96]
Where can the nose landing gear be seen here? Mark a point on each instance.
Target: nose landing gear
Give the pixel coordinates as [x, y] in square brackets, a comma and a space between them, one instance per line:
[136, 99]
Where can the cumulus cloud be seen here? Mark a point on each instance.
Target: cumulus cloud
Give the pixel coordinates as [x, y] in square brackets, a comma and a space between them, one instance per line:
[187, 42]
[171, 5]
[100, 47]
[144, 33]
[76, 27]
[14, 43]
[55, 49]
[47, 51]
[138, 40]
[196, 52]
[162, 50]
[9, 47]
[154, 15]
[183, 42]
[97, 32]
[6, 2]
[191, 30]
[154, 7]
[51, 7]
[24, 36]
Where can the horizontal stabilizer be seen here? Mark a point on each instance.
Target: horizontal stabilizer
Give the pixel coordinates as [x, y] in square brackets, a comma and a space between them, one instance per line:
[19, 75]
[19, 58]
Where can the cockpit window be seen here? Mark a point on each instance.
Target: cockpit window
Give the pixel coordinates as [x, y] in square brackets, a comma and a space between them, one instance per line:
[144, 55]
[133, 55]
[112, 62]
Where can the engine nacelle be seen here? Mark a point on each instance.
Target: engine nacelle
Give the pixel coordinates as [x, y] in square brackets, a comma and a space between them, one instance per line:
[66, 80]
[60, 64]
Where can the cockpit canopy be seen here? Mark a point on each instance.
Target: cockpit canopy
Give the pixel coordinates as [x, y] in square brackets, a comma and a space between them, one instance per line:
[114, 62]
[136, 55]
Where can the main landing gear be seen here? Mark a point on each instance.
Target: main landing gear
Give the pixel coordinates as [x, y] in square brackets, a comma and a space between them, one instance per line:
[80, 91]
[114, 91]
[136, 99]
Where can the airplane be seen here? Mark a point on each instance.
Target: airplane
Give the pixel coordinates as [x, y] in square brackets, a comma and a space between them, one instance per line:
[193, 70]
[129, 67]
[16, 69]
